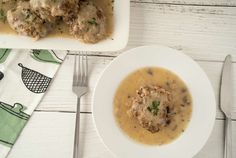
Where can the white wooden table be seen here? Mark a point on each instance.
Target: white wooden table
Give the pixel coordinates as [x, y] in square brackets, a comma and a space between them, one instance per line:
[203, 29]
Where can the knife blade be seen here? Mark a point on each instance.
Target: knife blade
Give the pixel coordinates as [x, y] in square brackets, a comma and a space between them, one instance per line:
[226, 97]
[226, 90]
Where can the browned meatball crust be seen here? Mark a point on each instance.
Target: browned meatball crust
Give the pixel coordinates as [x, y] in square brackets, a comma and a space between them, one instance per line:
[51, 9]
[25, 22]
[90, 23]
[152, 108]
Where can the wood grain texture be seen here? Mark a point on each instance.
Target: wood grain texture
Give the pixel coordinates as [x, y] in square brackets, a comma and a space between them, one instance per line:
[50, 134]
[202, 29]
[229, 3]
[61, 98]
[203, 32]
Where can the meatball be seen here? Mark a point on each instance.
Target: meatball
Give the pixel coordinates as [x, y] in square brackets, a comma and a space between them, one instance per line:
[152, 108]
[25, 22]
[50, 9]
[89, 25]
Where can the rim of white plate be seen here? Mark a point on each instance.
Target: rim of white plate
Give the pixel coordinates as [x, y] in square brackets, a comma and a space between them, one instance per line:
[204, 104]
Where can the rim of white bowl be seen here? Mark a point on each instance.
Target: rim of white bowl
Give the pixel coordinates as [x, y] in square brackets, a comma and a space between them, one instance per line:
[131, 51]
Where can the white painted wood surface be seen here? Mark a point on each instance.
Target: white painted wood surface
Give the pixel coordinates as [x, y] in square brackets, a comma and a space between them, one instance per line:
[203, 29]
[191, 2]
[60, 97]
[50, 135]
[203, 32]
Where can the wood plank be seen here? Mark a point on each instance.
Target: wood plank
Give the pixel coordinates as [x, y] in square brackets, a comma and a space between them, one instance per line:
[50, 134]
[61, 98]
[191, 2]
[203, 32]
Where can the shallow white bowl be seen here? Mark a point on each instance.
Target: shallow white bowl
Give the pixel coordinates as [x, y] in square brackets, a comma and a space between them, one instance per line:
[117, 41]
[204, 105]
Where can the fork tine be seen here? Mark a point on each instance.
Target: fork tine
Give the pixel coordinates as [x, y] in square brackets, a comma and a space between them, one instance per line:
[75, 72]
[82, 70]
[86, 68]
[80, 76]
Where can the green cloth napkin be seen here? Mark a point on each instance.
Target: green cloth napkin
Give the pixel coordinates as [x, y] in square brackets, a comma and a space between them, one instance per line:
[25, 76]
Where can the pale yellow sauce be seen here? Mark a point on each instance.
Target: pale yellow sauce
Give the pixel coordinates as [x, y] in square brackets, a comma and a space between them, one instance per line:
[61, 30]
[182, 102]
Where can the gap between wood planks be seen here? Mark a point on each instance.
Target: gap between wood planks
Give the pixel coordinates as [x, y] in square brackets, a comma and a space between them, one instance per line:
[114, 56]
[90, 113]
[185, 4]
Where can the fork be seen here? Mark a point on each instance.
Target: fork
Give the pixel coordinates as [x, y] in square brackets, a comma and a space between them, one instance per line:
[80, 88]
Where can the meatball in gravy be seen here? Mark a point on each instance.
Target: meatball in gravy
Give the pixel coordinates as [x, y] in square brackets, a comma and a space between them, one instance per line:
[25, 22]
[90, 23]
[153, 106]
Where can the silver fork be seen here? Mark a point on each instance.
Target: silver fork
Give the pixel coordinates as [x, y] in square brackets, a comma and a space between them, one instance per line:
[80, 88]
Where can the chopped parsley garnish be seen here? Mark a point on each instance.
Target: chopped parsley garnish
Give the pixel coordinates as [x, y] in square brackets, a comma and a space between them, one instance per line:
[2, 16]
[154, 107]
[93, 21]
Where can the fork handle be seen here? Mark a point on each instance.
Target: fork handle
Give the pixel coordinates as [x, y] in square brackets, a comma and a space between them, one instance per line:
[228, 138]
[77, 128]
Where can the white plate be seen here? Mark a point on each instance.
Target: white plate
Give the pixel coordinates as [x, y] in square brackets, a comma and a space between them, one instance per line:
[204, 105]
[117, 41]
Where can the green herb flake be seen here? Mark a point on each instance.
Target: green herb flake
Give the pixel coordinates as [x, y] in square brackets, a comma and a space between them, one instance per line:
[93, 21]
[3, 17]
[154, 107]
[155, 104]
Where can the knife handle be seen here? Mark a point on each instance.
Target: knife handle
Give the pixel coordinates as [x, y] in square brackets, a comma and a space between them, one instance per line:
[228, 138]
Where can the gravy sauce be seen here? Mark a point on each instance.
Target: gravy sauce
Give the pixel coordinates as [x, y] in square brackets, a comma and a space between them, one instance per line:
[61, 30]
[182, 102]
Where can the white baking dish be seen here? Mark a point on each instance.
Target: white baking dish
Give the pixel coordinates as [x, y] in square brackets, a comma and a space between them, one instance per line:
[117, 41]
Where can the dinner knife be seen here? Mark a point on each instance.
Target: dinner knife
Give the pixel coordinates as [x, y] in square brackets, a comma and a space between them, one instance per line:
[226, 102]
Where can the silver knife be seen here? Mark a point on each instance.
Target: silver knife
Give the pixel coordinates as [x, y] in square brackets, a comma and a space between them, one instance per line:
[226, 101]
